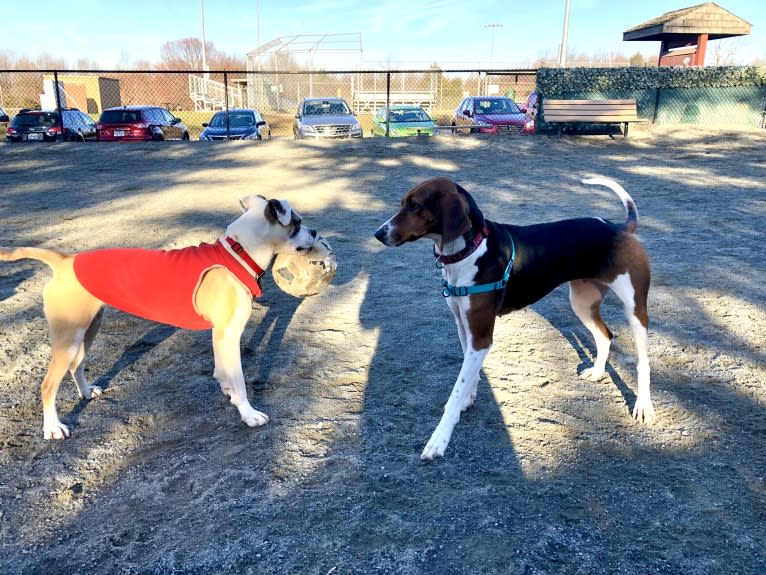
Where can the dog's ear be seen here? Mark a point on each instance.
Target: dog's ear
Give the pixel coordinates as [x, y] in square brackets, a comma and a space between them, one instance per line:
[247, 202]
[455, 216]
[279, 211]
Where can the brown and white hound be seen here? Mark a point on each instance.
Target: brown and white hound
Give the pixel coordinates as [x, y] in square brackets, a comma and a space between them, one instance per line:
[491, 269]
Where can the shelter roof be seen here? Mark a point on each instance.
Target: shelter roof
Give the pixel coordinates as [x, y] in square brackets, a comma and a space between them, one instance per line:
[708, 18]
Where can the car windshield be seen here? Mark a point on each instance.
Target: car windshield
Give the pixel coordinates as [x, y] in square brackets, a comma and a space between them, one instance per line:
[44, 119]
[408, 116]
[326, 107]
[497, 106]
[236, 120]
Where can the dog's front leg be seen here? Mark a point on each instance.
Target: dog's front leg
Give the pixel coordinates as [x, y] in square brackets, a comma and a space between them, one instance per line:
[460, 396]
[228, 372]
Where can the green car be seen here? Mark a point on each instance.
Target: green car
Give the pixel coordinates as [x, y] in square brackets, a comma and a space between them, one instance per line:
[404, 120]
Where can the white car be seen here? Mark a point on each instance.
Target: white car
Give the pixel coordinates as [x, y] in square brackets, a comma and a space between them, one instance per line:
[325, 118]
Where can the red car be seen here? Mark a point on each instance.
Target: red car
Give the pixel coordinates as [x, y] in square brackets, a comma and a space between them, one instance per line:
[492, 115]
[139, 123]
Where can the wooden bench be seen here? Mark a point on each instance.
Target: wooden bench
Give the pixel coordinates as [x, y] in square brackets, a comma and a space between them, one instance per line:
[590, 112]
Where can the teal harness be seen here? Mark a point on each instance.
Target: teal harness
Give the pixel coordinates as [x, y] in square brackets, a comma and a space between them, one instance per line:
[456, 291]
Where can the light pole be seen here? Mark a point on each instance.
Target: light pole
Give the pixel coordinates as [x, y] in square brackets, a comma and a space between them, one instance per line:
[492, 28]
[564, 37]
[204, 48]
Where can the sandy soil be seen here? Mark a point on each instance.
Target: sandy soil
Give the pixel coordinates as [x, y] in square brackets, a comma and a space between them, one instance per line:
[545, 474]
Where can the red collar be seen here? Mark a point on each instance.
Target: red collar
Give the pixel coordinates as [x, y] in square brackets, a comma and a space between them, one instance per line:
[466, 251]
[235, 249]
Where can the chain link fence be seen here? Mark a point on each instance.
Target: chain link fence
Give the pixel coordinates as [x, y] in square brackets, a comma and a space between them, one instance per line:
[195, 96]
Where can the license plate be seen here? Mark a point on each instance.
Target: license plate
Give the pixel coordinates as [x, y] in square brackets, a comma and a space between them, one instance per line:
[34, 136]
[119, 133]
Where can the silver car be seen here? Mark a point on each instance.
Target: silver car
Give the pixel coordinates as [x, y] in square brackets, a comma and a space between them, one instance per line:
[325, 118]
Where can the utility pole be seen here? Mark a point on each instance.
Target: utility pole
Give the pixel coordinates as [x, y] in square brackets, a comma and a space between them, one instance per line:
[564, 38]
[204, 47]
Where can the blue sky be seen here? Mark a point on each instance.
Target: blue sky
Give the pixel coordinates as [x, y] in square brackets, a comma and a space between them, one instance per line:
[406, 34]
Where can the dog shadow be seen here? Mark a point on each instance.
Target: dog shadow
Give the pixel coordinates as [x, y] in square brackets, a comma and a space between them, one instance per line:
[9, 283]
[586, 352]
[145, 344]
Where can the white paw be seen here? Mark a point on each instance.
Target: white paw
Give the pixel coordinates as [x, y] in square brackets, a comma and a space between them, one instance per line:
[436, 446]
[56, 430]
[643, 412]
[593, 374]
[94, 391]
[255, 418]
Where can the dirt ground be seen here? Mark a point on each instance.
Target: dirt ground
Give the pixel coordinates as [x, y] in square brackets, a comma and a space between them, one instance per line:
[545, 474]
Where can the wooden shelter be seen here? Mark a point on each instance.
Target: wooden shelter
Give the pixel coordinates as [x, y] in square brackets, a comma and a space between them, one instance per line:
[685, 33]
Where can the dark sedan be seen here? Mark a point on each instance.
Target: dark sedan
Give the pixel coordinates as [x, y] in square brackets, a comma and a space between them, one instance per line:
[236, 124]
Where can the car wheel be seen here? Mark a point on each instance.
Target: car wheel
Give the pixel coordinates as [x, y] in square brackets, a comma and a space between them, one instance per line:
[185, 137]
[454, 130]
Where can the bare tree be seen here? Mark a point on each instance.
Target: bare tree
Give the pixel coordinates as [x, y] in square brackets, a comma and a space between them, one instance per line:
[723, 52]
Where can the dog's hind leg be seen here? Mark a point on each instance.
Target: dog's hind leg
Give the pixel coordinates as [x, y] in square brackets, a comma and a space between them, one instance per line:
[634, 299]
[70, 311]
[66, 342]
[76, 368]
[585, 297]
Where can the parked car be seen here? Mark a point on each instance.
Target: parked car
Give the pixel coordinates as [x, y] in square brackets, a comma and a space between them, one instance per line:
[492, 114]
[47, 126]
[4, 119]
[403, 120]
[139, 123]
[242, 124]
[326, 118]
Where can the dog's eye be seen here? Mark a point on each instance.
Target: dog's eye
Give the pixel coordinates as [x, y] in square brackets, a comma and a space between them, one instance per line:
[412, 206]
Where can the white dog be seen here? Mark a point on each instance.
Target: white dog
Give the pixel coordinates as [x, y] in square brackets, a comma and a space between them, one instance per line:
[210, 286]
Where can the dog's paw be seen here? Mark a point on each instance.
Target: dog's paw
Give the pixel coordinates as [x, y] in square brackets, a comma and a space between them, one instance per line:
[643, 411]
[255, 418]
[56, 430]
[93, 392]
[436, 446]
[593, 374]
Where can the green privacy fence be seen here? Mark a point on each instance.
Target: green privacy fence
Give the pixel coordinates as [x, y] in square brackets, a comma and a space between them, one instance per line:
[720, 97]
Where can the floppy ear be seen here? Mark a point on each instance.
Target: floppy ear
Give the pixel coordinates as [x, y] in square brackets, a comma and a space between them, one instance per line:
[280, 211]
[454, 214]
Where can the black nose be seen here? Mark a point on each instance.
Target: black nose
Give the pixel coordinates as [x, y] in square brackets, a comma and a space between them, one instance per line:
[380, 234]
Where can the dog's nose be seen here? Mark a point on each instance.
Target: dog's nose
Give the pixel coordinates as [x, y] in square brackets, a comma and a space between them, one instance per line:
[381, 233]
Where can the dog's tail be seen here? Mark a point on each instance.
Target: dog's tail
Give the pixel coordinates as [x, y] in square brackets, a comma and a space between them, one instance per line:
[49, 257]
[631, 223]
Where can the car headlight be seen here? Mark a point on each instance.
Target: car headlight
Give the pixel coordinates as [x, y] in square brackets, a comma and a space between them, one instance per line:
[306, 129]
[254, 135]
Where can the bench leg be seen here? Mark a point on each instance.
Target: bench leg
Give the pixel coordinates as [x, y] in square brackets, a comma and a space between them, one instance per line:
[625, 131]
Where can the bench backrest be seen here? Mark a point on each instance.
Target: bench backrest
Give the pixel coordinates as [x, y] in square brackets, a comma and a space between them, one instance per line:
[589, 110]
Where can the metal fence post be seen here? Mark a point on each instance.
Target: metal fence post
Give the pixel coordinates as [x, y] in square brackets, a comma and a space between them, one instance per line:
[60, 120]
[388, 101]
[226, 103]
